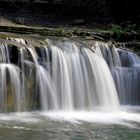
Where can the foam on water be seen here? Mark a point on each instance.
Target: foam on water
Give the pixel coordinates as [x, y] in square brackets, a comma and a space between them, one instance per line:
[67, 81]
[127, 118]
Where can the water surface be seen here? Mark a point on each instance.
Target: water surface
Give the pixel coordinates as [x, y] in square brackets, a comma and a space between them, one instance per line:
[70, 126]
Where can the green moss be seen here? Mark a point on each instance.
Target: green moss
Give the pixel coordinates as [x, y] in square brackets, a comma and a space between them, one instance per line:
[117, 31]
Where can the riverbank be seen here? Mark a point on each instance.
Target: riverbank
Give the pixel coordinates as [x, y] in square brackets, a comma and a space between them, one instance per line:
[67, 20]
[112, 34]
[124, 40]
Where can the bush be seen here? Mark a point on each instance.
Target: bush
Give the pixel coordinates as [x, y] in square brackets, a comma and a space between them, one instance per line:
[117, 30]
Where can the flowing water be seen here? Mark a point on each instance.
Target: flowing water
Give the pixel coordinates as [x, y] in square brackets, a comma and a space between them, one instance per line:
[67, 89]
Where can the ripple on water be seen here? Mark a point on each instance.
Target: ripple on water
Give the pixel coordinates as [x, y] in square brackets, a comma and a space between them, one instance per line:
[122, 125]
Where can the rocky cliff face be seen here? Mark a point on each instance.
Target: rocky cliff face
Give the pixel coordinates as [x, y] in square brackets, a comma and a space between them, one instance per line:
[47, 12]
[52, 12]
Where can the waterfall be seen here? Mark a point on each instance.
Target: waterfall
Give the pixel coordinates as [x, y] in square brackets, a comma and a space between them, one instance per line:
[9, 82]
[66, 75]
[125, 68]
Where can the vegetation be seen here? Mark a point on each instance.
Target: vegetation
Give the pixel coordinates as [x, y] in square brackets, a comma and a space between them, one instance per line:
[112, 32]
[104, 19]
[99, 11]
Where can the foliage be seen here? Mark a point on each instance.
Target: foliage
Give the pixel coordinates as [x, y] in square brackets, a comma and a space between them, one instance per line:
[128, 26]
[61, 31]
[116, 29]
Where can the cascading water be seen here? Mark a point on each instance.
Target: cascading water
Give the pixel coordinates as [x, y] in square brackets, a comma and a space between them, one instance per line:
[125, 68]
[66, 76]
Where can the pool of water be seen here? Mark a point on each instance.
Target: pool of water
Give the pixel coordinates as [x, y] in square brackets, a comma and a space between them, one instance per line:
[123, 125]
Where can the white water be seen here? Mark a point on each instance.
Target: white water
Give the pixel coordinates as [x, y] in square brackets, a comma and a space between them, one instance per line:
[68, 78]
[126, 117]
[125, 68]
[13, 84]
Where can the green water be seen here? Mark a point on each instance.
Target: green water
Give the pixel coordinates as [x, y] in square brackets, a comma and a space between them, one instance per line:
[67, 131]
[42, 127]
